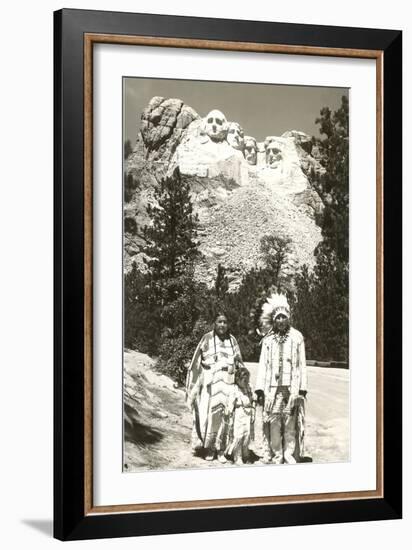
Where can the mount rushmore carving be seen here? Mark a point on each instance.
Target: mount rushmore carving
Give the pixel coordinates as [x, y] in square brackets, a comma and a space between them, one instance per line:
[218, 129]
[242, 188]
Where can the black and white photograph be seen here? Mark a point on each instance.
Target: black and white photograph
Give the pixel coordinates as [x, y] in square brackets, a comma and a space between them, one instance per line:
[205, 293]
[236, 274]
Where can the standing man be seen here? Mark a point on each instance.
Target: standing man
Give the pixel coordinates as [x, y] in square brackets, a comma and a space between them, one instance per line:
[281, 384]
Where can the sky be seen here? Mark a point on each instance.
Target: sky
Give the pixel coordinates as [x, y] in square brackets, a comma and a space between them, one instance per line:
[261, 109]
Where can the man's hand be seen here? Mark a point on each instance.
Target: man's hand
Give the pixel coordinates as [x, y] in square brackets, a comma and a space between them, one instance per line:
[260, 397]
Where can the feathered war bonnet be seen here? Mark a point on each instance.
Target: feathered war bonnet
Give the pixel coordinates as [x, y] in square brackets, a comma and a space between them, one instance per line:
[275, 305]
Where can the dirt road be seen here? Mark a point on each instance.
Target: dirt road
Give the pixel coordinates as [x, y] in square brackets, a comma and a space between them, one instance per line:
[157, 422]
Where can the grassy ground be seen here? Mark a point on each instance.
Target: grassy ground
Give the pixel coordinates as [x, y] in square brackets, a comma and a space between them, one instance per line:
[157, 422]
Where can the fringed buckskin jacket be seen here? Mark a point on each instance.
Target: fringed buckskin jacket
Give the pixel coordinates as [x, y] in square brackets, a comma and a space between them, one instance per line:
[282, 362]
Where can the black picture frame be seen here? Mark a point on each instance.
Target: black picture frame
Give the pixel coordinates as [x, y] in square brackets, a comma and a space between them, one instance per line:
[72, 521]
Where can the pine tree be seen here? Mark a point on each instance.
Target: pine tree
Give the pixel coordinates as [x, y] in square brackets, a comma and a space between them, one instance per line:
[171, 247]
[160, 301]
[333, 184]
[221, 282]
[275, 251]
[321, 311]
[322, 295]
[170, 253]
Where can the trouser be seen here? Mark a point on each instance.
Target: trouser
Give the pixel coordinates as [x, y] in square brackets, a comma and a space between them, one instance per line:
[279, 437]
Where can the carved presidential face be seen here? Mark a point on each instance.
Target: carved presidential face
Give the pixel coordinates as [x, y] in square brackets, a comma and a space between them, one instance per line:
[235, 136]
[273, 155]
[250, 150]
[216, 125]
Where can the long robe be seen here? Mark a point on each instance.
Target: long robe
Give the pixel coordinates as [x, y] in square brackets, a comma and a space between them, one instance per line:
[209, 388]
[294, 364]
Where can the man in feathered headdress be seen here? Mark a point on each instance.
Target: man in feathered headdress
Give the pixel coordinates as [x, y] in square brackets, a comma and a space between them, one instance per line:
[281, 384]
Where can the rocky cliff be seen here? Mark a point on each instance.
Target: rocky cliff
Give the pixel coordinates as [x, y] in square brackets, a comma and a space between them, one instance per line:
[242, 189]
